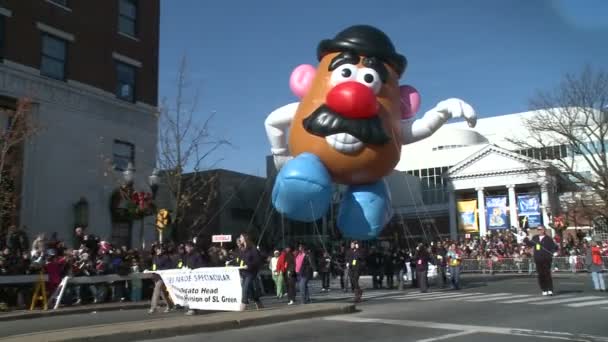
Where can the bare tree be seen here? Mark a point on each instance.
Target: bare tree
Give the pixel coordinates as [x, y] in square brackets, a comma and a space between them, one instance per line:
[570, 128]
[15, 131]
[187, 143]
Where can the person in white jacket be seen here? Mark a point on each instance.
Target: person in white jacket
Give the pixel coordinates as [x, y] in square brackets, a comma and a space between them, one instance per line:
[276, 275]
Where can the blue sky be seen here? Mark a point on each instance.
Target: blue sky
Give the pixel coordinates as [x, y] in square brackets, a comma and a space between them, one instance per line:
[493, 54]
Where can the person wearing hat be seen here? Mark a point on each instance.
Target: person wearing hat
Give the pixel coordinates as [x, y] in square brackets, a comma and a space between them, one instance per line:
[544, 247]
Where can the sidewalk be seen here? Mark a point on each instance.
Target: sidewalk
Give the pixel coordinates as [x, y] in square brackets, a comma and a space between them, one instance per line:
[70, 310]
[178, 326]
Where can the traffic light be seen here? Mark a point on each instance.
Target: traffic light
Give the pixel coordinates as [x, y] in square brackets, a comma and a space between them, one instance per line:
[162, 219]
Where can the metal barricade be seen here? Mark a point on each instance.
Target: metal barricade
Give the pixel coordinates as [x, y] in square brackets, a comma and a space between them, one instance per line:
[572, 264]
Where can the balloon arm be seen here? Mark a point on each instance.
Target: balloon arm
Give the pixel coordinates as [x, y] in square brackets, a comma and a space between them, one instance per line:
[277, 124]
[414, 130]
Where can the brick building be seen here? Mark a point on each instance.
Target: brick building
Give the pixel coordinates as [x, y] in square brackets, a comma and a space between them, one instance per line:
[91, 71]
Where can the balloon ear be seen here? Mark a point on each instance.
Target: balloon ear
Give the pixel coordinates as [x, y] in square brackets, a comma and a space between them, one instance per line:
[410, 101]
[301, 79]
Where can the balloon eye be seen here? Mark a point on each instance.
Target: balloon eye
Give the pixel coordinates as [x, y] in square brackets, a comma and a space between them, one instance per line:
[344, 73]
[370, 78]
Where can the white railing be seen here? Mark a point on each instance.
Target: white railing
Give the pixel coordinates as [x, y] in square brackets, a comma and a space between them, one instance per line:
[21, 279]
[110, 278]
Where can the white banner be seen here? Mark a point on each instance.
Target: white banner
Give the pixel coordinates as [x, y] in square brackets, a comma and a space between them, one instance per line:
[207, 288]
[221, 238]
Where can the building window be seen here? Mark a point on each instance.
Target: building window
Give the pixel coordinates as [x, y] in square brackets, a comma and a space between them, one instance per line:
[127, 17]
[2, 36]
[124, 153]
[54, 51]
[125, 88]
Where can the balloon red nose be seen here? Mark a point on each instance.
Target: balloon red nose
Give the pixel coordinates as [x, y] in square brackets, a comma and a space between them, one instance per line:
[352, 100]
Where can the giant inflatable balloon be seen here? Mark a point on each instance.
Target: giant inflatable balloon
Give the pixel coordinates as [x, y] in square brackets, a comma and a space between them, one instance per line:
[348, 128]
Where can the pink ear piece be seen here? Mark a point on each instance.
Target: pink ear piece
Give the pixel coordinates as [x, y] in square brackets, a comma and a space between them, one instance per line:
[410, 101]
[301, 79]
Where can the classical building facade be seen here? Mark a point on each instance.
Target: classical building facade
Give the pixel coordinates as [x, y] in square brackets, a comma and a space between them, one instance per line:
[90, 70]
[459, 167]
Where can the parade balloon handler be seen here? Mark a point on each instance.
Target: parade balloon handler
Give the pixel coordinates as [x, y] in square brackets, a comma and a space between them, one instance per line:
[250, 262]
[161, 261]
[192, 260]
[544, 248]
[348, 128]
[355, 258]
[306, 270]
[454, 257]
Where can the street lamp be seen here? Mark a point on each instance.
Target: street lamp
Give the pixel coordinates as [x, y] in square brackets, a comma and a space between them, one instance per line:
[153, 181]
[129, 174]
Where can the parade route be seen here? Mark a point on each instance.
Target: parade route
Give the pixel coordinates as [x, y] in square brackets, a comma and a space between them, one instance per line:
[500, 308]
[468, 315]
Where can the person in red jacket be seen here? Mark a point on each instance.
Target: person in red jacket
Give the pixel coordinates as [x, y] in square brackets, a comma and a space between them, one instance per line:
[595, 264]
[54, 268]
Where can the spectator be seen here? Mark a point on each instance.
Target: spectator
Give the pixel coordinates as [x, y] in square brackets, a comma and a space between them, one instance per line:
[277, 274]
[595, 265]
[325, 271]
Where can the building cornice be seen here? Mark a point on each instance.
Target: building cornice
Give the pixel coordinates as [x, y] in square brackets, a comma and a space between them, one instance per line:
[55, 32]
[127, 60]
[534, 165]
[497, 173]
[18, 80]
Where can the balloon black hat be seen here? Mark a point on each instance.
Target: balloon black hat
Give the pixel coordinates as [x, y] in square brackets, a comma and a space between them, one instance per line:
[367, 41]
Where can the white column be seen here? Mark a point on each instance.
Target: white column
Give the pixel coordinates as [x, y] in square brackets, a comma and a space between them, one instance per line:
[452, 215]
[544, 203]
[481, 209]
[513, 206]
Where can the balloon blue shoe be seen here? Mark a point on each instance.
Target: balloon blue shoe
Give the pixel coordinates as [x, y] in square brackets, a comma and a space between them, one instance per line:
[365, 210]
[303, 188]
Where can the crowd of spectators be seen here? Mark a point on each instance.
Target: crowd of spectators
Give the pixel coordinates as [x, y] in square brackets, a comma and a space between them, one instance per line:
[509, 244]
[94, 256]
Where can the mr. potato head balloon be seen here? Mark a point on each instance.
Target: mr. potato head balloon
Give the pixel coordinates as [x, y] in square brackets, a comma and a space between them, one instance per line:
[348, 128]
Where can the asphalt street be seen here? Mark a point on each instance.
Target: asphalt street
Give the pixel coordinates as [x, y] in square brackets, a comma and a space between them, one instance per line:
[503, 309]
[498, 307]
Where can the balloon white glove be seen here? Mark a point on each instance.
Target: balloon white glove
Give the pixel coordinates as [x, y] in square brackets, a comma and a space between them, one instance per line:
[456, 108]
[315, 274]
[280, 160]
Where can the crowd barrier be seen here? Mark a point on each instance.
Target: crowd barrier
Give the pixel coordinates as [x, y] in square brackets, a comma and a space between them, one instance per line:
[21, 279]
[571, 264]
[110, 278]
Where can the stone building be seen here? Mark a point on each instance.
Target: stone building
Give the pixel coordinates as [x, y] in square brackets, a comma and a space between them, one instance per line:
[91, 72]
